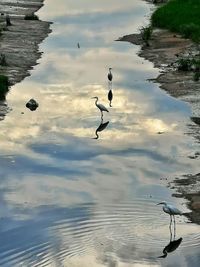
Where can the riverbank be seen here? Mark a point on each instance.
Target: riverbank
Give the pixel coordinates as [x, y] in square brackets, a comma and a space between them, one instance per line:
[19, 42]
[164, 49]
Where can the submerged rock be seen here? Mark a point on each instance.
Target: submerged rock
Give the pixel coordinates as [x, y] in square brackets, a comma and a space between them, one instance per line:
[32, 104]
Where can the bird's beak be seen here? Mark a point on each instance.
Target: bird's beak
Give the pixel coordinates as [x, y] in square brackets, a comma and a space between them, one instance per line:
[159, 203]
[92, 97]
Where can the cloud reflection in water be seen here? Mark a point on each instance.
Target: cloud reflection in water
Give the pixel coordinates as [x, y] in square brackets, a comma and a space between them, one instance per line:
[51, 168]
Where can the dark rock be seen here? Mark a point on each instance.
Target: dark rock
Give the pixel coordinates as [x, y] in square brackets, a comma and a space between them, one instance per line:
[32, 104]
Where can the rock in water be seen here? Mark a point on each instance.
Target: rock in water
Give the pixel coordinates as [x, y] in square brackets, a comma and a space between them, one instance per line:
[32, 104]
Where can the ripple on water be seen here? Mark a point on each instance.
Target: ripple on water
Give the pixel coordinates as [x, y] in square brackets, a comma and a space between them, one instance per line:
[135, 228]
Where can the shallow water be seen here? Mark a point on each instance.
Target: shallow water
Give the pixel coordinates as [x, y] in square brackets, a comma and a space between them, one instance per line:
[68, 199]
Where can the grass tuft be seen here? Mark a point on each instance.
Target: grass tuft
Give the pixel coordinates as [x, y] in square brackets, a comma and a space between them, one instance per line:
[4, 86]
[146, 33]
[196, 76]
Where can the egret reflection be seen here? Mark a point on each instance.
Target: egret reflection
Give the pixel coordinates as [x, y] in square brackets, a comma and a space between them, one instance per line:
[110, 97]
[100, 128]
[100, 106]
[172, 246]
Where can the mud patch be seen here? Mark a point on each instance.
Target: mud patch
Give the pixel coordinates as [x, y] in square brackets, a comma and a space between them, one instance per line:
[19, 43]
[189, 188]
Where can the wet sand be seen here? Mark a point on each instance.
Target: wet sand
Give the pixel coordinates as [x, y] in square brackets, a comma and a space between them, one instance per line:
[19, 43]
[164, 50]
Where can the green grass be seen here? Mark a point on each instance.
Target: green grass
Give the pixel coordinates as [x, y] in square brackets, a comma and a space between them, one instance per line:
[146, 33]
[4, 86]
[181, 16]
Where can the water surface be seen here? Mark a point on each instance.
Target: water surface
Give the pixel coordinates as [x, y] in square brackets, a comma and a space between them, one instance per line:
[68, 199]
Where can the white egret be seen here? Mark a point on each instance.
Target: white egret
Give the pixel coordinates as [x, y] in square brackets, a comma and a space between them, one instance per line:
[171, 210]
[110, 76]
[100, 106]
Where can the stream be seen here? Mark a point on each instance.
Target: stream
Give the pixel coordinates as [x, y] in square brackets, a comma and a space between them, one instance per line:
[68, 199]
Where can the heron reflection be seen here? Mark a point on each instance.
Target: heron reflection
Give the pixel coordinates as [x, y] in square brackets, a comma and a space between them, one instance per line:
[173, 243]
[100, 128]
[110, 97]
[172, 246]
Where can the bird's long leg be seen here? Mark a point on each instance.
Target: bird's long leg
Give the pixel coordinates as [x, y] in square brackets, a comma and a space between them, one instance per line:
[110, 85]
[174, 228]
[170, 228]
[102, 115]
[110, 104]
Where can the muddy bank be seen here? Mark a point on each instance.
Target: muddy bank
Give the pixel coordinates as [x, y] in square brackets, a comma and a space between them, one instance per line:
[164, 51]
[19, 42]
[188, 187]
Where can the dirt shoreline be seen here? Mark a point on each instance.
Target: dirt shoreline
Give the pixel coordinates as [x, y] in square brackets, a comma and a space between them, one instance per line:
[20, 42]
[164, 50]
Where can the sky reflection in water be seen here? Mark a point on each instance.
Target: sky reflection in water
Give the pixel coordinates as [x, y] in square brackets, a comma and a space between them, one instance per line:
[67, 198]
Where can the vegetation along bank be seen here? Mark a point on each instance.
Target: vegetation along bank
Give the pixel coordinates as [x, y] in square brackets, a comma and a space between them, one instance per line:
[172, 42]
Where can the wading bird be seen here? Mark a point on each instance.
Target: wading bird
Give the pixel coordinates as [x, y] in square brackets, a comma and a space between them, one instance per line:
[110, 96]
[110, 76]
[171, 210]
[100, 106]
